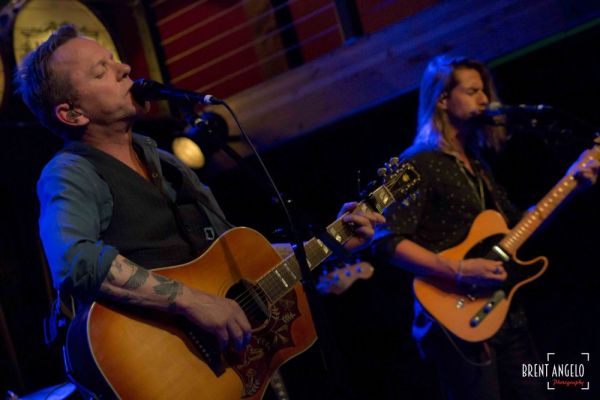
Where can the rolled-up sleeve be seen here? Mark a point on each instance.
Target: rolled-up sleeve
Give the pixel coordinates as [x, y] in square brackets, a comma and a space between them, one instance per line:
[75, 207]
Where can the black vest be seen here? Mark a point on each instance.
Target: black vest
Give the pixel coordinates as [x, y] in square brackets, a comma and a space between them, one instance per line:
[146, 226]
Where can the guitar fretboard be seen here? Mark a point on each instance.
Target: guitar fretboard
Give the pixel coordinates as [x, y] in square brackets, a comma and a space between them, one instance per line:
[280, 280]
[542, 211]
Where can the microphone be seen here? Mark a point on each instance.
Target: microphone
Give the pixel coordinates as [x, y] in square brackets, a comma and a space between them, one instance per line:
[146, 89]
[495, 108]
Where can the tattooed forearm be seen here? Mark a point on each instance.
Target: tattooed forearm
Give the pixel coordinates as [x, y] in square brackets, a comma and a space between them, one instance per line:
[116, 269]
[117, 264]
[108, 293]
[168, 287]
[127, 282]
[139, 277]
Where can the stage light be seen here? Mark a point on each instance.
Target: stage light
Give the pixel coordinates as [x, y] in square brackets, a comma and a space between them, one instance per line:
[197, 143]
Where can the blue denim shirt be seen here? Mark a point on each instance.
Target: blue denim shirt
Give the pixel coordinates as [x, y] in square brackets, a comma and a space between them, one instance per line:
[76, 207]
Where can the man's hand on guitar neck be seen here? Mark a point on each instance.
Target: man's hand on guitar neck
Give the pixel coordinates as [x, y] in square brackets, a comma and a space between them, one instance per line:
[364, 222]
[128, 283]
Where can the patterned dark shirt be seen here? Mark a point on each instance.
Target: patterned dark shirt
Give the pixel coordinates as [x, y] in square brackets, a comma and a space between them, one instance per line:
[448, 199]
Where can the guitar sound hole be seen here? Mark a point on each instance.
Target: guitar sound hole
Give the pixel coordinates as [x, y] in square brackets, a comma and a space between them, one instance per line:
[252, 300]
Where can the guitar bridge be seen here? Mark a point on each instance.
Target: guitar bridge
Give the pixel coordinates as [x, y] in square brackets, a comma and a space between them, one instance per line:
[208, 347]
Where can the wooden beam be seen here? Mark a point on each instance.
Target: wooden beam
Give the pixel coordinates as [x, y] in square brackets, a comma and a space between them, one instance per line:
[388, 63]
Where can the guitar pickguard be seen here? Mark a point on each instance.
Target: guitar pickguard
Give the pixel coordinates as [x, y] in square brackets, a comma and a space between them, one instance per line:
[252, 364]
[516, 273]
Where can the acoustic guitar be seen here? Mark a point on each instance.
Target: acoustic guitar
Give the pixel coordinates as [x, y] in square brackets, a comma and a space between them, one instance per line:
[125, 352]
[475, 313]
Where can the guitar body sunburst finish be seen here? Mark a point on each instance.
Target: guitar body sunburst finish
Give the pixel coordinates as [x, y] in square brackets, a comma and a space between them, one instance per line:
[149, 355]
[455, 306]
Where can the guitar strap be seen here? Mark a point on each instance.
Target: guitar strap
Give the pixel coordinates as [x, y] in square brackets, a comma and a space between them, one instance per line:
[189, 210]
[481, 175]
[477, 190]
[481, 172]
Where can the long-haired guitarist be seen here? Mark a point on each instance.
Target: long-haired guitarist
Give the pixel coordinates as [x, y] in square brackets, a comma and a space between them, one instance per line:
[456, 185]
[113, 206]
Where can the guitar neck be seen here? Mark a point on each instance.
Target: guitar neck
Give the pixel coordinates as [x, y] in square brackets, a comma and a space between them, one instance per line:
[284, 276]
[544, 209]
[280, 280]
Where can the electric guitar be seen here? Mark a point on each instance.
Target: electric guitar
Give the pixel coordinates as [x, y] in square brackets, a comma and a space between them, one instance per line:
[124, 352]
[474, 313]
[340, 279]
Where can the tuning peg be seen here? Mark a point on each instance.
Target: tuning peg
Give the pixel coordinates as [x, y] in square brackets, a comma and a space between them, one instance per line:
[394, 163]
[382, 172]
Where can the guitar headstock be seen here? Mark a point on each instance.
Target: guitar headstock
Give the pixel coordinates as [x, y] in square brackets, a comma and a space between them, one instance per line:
[340, 279]
[398, 182]
[400, 179]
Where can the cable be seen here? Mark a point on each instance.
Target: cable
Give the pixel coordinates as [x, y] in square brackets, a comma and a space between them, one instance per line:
[485, 363]
[260, 161]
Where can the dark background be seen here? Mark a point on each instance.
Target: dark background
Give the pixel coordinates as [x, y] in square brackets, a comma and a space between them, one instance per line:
[370, 322]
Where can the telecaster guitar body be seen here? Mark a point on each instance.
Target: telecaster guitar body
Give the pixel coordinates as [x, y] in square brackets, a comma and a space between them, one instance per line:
[470, 313]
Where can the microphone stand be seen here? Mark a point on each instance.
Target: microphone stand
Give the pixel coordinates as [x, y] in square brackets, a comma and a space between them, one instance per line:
[329, 354]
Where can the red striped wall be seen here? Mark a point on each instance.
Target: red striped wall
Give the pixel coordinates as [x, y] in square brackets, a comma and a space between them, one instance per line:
[226, 46]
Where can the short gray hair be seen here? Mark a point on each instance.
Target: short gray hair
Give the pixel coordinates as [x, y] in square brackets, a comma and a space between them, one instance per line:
[43, 89]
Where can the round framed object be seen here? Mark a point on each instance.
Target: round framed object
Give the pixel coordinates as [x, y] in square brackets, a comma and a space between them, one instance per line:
[39, 18]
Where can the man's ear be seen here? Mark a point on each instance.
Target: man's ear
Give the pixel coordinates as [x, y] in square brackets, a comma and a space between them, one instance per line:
[70, 115]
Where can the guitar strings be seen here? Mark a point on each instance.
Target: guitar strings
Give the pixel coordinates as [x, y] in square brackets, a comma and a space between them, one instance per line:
[247, 298]
[263, 287]
[269, 285]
